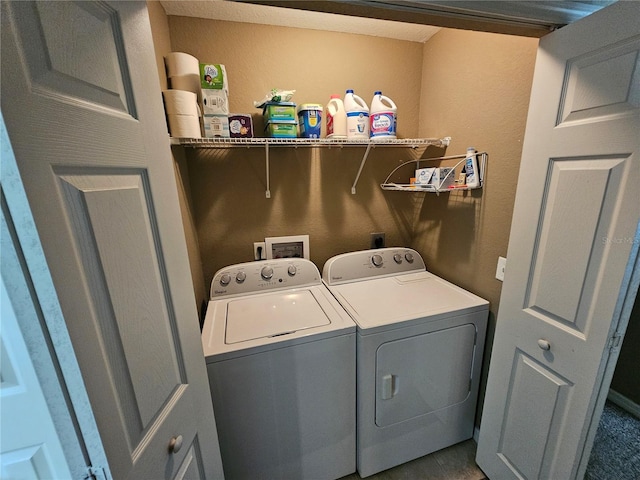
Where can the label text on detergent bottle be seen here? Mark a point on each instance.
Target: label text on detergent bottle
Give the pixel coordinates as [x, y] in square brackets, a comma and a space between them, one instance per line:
[383, 124]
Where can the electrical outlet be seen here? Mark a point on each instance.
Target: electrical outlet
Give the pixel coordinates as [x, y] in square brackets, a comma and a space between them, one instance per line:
[377, 240]
[259, 251]
[502, 264]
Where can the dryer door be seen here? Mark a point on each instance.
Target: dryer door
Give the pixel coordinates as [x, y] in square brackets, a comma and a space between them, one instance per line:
[423, 374]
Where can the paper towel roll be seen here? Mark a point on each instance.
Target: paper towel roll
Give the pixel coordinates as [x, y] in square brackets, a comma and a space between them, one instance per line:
[185, 126]
[180, 102]
[179, 63]
[189, 82]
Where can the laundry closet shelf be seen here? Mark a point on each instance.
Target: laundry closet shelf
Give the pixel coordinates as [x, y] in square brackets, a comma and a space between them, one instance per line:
[266, 143]
[483, 158]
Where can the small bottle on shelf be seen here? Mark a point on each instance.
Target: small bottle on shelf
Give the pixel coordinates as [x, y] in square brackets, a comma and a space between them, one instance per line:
[471, 168]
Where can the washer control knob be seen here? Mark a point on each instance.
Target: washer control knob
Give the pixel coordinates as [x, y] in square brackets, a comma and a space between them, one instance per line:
[377, 260]
[241, 277]
[225, 278]
[267, 273]
[409, 257]
[292, 270]
[398, 258]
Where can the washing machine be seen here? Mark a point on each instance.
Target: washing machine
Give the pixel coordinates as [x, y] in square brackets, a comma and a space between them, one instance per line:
[280, 354]
[420, 343]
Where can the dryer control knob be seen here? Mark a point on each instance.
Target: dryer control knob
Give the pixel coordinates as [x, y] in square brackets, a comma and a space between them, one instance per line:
[267, 273]
[377, 260]
[409, 257]
[241, 277]
[292, 270]
[398, 258]
[225, 278]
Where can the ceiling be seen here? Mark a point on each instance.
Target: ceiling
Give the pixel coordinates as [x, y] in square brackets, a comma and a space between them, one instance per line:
[409, 20]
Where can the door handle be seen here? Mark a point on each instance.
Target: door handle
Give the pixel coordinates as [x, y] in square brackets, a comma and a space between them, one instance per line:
[544, 344]
[389, 386]
[175, 444]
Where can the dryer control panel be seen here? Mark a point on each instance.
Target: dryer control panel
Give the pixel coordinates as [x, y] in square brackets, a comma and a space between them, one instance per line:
[256, 277]
[354, 266]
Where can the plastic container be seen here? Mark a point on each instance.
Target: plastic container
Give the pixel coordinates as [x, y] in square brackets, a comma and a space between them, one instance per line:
[357, 116]
[383, 117]
[310, 120]
[279, 111]
[336, 118]
[281, 129]
[471, 168]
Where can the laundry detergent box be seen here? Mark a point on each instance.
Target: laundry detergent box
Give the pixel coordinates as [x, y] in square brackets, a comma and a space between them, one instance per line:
[216, 126]
[240, 125]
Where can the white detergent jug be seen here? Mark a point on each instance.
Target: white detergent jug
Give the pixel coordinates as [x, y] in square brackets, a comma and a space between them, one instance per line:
[336, 118]
[357, 116]
[383, 117]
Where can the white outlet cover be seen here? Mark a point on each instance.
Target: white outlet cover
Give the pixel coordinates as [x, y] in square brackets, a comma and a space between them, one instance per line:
[502, 264]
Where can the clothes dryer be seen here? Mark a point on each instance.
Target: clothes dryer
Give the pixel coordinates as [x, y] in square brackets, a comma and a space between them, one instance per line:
[280, 355]
[420, 343]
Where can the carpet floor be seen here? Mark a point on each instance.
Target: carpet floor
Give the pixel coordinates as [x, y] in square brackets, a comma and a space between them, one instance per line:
[616, 449]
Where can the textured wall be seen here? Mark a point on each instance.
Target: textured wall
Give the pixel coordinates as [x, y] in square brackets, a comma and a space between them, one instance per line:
[310, 188]
[476, 88]
[162, 45]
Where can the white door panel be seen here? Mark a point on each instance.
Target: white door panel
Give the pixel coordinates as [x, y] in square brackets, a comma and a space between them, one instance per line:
[84, 113]
[572, 239]
[31, 447]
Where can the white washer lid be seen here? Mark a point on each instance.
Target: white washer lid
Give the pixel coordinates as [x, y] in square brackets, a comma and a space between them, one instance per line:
[384, 301]
[250, 318]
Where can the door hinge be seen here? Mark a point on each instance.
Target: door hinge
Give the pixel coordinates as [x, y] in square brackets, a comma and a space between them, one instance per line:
[615, 341]
[95, 473]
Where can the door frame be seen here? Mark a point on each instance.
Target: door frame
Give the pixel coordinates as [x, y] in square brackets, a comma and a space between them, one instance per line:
[627, 296]
[74, 417]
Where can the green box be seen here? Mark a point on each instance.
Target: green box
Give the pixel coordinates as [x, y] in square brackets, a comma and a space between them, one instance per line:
[213, 76]
[283, 129]
[279, 111]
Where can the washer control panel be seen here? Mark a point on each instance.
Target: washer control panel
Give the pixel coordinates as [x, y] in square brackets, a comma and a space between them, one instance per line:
[255, 277]
[364, 264]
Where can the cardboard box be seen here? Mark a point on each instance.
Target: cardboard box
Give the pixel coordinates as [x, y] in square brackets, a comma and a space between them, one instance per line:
[216, 126]
[213, 76]
[240, 125]
[443, 177]
[423, 175]
[215, 102]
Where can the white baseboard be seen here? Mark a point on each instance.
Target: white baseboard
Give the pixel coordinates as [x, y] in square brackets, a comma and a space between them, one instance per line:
[623, 402]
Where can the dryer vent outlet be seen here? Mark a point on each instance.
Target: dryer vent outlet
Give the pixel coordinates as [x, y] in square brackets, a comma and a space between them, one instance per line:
[377, 240]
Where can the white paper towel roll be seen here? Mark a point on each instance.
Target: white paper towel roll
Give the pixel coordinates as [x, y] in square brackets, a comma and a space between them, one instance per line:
[179, 63]
[189, 82]
[185, 126]
[180, 102]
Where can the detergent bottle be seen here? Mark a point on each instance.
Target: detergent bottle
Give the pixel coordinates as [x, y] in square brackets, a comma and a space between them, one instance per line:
[336, 118]
[383, 117]
[357, 116]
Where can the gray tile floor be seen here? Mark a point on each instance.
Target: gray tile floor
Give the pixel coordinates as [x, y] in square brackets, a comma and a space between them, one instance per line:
[453, 463]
